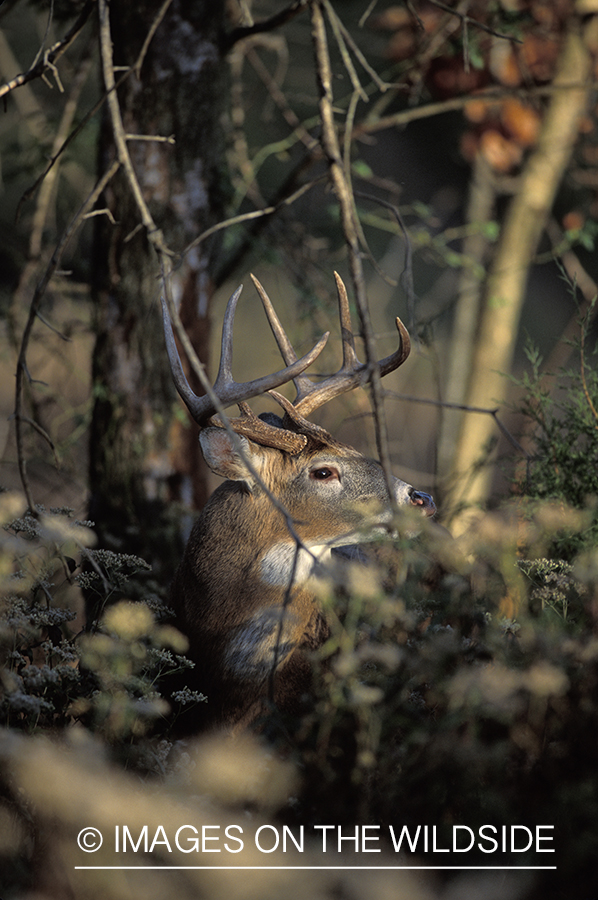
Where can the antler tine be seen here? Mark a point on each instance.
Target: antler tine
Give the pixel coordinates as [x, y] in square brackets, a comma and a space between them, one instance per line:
[350, 361]
[396, 359]
[305, 387]
[352, 373]
[302, 383]
[191, 400]
[226, 389]
[351, 364]
[225, 375]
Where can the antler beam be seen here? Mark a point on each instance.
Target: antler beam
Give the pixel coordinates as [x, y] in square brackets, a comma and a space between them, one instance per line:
[226, 389]
[352, 373]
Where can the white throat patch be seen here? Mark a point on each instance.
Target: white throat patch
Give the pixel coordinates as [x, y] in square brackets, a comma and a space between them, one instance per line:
[286, 563]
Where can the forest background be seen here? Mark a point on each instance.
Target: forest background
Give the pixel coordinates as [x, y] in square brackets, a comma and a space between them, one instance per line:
[446, 166]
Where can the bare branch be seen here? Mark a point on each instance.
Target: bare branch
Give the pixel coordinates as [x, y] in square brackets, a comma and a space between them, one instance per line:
[280, 99]
[467, 20]
[51, 56]
[41, 431]
[404, 117]
[47, 189]
[582, 351]
[40, 290]
[250, 216]
[49, 325]
[365, 16]
[41, 51]
[464, 407]
[154, 234]
[339, 180]
[245, 31]
[346, 57]
[101, 212]
[339, 27]
[157, 138]
[148, 38]
[407, 273]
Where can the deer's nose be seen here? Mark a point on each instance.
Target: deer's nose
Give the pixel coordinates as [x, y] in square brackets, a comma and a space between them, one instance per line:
[424, 501]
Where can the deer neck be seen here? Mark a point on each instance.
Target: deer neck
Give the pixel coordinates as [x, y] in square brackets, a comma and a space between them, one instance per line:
[260, 554]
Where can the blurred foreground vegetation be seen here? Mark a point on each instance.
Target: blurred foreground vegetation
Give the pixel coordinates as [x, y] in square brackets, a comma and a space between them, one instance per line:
[458, 688]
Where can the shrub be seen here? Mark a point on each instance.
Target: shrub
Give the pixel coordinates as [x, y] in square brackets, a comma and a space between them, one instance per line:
[562, 414]
[54, 670]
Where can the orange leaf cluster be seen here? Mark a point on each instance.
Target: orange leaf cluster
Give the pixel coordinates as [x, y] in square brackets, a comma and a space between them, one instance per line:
[501, 130]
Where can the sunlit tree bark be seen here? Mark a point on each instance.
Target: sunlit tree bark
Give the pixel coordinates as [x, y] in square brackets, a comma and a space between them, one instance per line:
[506, 282]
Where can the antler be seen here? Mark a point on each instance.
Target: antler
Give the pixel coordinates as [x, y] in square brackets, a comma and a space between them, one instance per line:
[310, 396]
[352, 373]
[226, 389]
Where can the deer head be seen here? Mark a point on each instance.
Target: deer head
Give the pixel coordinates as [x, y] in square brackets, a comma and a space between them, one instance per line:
[244, 590]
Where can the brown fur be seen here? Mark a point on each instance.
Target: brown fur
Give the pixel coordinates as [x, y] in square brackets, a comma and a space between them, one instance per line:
[250, 629]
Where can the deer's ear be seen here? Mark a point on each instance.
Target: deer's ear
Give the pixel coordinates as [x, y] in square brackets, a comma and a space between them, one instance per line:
[223, 457]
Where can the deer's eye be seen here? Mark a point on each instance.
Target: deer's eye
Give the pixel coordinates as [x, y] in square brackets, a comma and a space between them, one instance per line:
[324, 473]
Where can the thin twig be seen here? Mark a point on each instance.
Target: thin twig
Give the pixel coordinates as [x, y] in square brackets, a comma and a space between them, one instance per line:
[347, 148]
[280, 99]
[47, 188]
[81, 125]
[47, 191]
[404, 117]
[102, 212]
[345, 55]
[584, 383]
[148, 38]
[281, 18]
[417, 19]
[53, 328]
[153, 233]
[40, 290]
[54, 159]
[339, 26]
[463, 407]
[406, 279]
[42, 431]
[365, 16]
[285, 190]
[250, 216]
[41, 51]
[158, 138]
[467, 20]
[466, 56]
[348, 219]
[52, 55]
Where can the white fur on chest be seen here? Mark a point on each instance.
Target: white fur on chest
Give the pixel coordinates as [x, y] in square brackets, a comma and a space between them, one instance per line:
[285, 563]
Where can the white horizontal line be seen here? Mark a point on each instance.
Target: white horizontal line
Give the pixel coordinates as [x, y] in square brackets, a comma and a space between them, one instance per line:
[336, 868]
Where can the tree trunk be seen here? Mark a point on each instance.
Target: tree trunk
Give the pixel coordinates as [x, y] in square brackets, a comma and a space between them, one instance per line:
[144, 452]
[481, 207]
[505, 287]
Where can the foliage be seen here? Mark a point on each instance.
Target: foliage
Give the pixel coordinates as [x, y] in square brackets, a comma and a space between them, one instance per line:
[436, 708]
[54, 673]
[431, 707]
[563, 421]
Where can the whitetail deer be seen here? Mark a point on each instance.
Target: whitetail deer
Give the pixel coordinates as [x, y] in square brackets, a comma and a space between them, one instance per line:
[243, 593]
